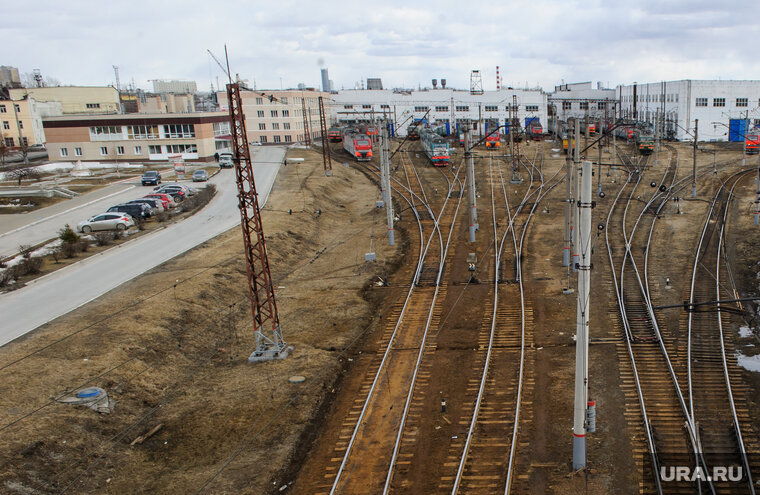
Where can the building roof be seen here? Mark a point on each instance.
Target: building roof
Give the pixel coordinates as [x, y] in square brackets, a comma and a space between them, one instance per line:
[135, 118]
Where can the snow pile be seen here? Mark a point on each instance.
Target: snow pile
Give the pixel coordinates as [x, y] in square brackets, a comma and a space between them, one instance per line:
[749, 363]
[63, 167]
[745, 332]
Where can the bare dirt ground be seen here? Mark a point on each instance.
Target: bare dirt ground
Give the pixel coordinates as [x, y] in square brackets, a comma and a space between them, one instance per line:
[170, 348]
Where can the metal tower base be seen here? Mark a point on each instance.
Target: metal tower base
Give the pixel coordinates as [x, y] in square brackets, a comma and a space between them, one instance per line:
[270, 353]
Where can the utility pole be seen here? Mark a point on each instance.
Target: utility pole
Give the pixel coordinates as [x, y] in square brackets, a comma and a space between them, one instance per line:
[656, 136]
[614, 143]
[582, 405]
[269, 345]
[325, 144]
[694, 165]
[576, 166]
[514, 127]
[385, 166]
[306, 130]
[470, 183]
[24, 147]
[585, 128]
[599, 167]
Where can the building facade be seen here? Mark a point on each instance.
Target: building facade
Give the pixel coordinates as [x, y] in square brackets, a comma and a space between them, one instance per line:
[21, 121]
[439, 107]
[74, 99]
[174, 86]
[580, 100]
[9, 77]
[137, 138]
[280, 119]
[718, 105]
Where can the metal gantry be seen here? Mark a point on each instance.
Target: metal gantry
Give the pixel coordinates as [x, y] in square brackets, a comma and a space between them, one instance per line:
[266, 321]
[325, 145]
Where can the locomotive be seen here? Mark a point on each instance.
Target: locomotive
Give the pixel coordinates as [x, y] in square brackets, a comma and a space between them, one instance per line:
[492, 134]
[412, 131]
[436, 148]
[334, 135]
[357, 144]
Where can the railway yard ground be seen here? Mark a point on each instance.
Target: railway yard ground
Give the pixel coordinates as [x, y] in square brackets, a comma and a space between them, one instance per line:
[462, 381]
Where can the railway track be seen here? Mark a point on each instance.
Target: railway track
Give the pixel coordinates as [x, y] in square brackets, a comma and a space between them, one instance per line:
[365, 444]
[720, 423]
[652, 360]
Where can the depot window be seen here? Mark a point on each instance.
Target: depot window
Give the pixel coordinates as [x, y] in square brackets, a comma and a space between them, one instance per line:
[421, 109]
[462, 108]
[567, 105]
[386, 106]
[367, 107]
[441, 109]
[719, 102]
[584, 105]
[742, 102]
[348, 107]
[92, 105]
[531, 108]
[701, 102]
[492, 108]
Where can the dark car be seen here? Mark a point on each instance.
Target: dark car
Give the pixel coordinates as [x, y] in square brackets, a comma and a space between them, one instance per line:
[155, 205]
[151, 178]
[135, 210]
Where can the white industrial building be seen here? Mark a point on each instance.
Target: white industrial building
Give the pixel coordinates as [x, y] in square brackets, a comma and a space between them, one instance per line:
[439, 107]
[717, 105]
[580, 100]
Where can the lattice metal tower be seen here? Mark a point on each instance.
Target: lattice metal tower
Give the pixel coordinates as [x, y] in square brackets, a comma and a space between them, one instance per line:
[514, 127]
[306, 130]
[266, 321]
[476, 83]
[325, 144]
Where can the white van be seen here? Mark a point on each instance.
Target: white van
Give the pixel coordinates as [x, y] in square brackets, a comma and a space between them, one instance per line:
[225, 160]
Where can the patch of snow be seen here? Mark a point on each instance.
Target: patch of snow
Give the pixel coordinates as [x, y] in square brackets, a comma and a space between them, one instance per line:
[745, 332]
[749, 363]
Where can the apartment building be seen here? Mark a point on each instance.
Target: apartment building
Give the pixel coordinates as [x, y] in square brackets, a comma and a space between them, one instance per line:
[21, 121]
[277, 116]
[137, 138]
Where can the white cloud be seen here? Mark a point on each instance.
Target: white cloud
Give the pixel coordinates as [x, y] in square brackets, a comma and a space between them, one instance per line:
[541, 42]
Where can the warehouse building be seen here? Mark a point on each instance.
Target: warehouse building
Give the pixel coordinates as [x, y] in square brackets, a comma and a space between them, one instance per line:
[74, 99]
[276, 116]
[580, 100]
[446, 107]
[174, 86]
[137, 138]
[726, 110]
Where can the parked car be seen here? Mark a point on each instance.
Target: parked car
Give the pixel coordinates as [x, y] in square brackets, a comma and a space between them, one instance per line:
[165, 199]
[151, 177]
[200, 175]
[155, 204]
[139, 210]
[106, 221]
[188, 190]
[225, 160]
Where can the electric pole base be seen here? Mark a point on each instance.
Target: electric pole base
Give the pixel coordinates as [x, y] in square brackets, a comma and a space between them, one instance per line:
[579, 452]
[270, 353]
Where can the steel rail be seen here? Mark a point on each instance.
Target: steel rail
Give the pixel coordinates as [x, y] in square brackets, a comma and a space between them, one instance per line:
[388, 348]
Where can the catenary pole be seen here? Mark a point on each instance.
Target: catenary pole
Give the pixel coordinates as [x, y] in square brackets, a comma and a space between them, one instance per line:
[386, 152]
[470, 163]
[576, 166]
[581, 402]
[694, 163]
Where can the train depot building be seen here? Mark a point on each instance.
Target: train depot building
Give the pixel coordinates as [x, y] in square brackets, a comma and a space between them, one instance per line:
[439, 107]
[726, 110]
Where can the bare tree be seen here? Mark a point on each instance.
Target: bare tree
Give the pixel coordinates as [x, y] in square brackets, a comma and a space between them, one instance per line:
[19, 174]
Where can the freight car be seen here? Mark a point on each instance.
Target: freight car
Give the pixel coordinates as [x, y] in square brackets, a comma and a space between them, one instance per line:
[436, 148]
[357, 144]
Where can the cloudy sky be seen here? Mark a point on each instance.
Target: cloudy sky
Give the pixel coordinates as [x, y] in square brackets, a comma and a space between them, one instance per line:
[406, 43]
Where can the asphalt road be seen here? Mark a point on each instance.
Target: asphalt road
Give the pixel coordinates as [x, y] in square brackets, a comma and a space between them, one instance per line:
[53, 295]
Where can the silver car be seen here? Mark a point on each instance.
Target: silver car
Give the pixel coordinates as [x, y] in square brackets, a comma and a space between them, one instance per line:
[106, 221]
[200, 176]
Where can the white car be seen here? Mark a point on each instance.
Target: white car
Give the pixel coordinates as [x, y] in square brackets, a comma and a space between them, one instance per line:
[106, 221]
